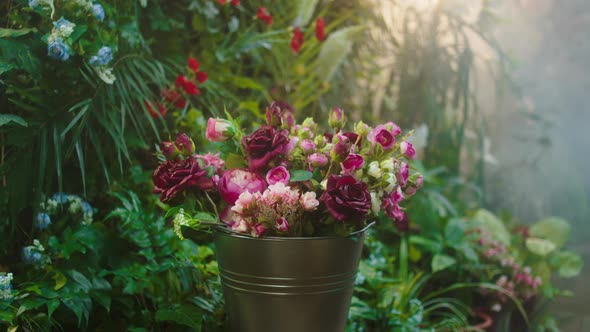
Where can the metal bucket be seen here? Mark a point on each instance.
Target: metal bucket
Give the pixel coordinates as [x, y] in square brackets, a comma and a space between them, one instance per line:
[287, 284]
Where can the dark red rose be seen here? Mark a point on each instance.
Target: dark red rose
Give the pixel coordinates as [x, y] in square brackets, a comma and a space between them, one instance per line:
[265, 146]
[280, 114]
[173, 177]
[346, 198]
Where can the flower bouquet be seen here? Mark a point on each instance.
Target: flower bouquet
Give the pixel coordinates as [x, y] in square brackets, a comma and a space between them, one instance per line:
[289, 207]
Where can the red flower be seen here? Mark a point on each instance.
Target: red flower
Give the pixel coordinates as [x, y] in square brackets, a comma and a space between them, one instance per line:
[320, 27]
[174, 97]
[174, 177]
[235, 2]
[181, 81]
[193, 64]
[297, 40]
[264, 15]
[186, 85]
[153, 113]
[202, 76]
[265, 147]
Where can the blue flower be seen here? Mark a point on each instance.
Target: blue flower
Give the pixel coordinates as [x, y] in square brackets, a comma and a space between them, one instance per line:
[33, 3]
[43, 220]
[60, 198]
[86, 208]
[31, 255]
[58, 50]
[94, 61]
[62, 23]
[98, 12]
[105, 55]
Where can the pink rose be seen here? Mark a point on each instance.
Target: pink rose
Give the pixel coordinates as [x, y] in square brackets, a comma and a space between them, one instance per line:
[393, 128]
[212, 160]
[403, 173]
[307, 145]
[309, 201]
[317, 159]
[219, 130]
[414, 185]
[236, 181]
[352, 163]
[407, 149]
[382, 136]
[278, 174]
[282, 225]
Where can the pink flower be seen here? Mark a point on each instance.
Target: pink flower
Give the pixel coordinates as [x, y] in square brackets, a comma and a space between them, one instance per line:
[307, 145]
[282, 225]
[393, 128]
[392, 208]
[236, 181]
[240, 225]
[245, 202]
[403, 173]
[414, 186]
[317, 159]
[212, 160]
[407, 149]
[278, 174]
[336, 118]
[309, 201]
[342, 147]
[227, 215]
[382, 136]
[352, 163]
[219, 130]
[258, 230]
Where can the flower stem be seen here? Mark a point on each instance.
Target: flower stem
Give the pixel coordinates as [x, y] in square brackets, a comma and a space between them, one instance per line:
[403, 257]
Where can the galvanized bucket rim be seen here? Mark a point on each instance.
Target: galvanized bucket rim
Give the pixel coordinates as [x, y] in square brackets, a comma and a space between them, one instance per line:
[227, 231]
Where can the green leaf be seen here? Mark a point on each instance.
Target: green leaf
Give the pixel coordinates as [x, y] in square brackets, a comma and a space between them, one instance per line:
[301, 175]
[60, 280]
[78, 32]
[570, 264]
[205, 216]
[235, 161]
[540, 247]
[441, 262]
[335, 50]
[304, 12]
[492, 225]
[8, 33]
[454, 231]
[8, 118]
[6, 67]
[185, 314]
[552, 229]
[81, 280]
[52, 306]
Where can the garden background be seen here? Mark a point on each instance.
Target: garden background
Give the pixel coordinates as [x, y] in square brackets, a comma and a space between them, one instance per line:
[494, 90]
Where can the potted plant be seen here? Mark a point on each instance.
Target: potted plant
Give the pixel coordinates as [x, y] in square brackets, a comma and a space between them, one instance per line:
[289, 207]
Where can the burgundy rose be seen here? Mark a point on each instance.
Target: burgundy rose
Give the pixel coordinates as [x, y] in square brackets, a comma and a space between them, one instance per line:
[169, 149]
[352, 163]
[354, 138]
[173, 177]
[265, 146]
[280, 114]
[185, 144]
[346, 198]
[341, 148]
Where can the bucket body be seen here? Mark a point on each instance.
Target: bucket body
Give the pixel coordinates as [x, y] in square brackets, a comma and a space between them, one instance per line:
[287, 284]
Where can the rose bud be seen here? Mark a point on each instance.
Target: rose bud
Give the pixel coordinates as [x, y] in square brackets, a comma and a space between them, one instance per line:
[407, 149]
[362, 129]
[341, 148]
[375, 203]
[403, 173]
[336, 118]
[282, 225]
[352, 163]
[354, 138]
[317, 159]
[309, 123]
[309, 201]
[307, 146]
[320, 141]
[380, 135]
[236, 181]
[219, 130]
[278, 174]
[185, 144]
[346, 198]
[169, 150]
[414, 185]
[393, 128]
[280, 115]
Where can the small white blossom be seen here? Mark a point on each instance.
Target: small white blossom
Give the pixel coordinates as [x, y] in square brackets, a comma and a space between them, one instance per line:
[374, 170]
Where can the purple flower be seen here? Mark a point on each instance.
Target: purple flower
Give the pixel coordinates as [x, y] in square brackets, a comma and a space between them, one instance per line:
[173, 177]
[407, 149]
[403, 173]
[352, 163]
[317, 159]
[278, 174]
[346, 198]
[265, 146]
[237, 181]
[282, 225]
